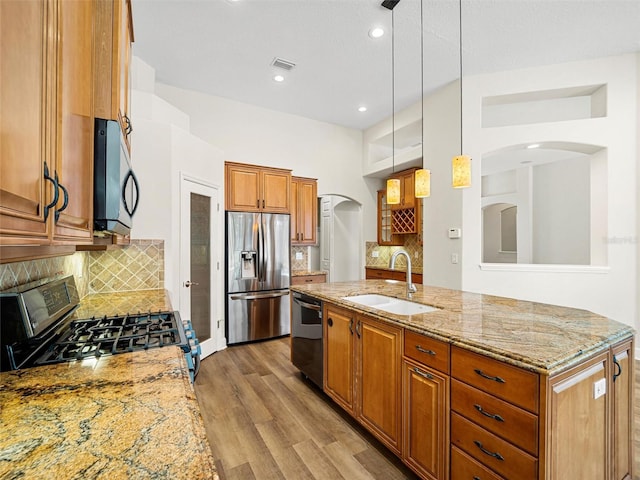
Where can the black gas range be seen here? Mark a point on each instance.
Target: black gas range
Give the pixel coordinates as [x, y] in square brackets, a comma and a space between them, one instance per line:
[36, 329]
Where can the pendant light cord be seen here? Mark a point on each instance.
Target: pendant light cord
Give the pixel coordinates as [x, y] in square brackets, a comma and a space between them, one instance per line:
[393, 104]
[460, 30]
[422, 80]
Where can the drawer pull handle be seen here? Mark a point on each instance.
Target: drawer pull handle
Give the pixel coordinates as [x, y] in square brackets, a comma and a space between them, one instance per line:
[487, 452]
[488, 377]
[476, 478]
[424, 350]
[487, 414]
[423, 374]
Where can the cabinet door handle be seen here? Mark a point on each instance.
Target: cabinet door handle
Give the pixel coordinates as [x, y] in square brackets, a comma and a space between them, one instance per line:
[65, 202]
[488, 377]
[263, 203]
[487, 414]
[487, 452]
[618, 367]
[129, 128]
[55, 191]
[423, 374]
[258, 203]
[424, 350]
[358, 329]
[351, 325]
[330, 322]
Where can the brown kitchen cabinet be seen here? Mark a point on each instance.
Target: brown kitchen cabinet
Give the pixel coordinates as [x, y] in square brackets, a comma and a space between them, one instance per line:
[251, 188]
[363, 371]
[46, 177]
[304, 210]
[622, 391]
[306, 279]
[376, 273]
[73, 217]
[407, 189]
[112, 81]
[385, 236]
[425, 390]
[27, 93]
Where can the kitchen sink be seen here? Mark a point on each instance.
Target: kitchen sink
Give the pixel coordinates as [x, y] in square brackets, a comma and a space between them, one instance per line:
[390, 304]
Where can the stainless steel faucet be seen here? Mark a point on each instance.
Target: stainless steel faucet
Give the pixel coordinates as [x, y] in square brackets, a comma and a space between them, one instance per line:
[411, 288]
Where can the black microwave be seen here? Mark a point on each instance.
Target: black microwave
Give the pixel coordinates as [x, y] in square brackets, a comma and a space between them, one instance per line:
[116, 192]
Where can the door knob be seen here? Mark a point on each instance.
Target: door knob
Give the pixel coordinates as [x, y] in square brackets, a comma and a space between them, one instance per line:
[188, 283]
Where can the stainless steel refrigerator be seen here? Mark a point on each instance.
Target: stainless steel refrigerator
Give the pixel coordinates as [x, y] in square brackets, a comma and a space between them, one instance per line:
[257, 276]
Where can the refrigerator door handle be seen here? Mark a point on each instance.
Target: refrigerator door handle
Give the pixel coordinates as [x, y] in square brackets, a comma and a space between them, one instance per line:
[259, 296]
[263, 260]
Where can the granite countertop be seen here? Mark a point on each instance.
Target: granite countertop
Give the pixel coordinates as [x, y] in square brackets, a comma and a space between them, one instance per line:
[542, 338]
[301, 273]
[399, 268]
[125, 416]
[120, 303]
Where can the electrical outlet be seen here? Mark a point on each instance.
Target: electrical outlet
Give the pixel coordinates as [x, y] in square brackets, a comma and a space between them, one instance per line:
[454, 258]
[375, 254]
[599, 388]
[298, 255]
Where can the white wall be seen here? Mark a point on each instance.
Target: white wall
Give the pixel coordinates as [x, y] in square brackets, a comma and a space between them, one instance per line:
[611, 291]
[255, 135]
[443, 209]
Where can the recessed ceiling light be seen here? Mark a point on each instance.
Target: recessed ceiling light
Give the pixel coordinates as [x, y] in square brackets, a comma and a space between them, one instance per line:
[534, 145]
[376, 32]
[278, 78]
[362, 109]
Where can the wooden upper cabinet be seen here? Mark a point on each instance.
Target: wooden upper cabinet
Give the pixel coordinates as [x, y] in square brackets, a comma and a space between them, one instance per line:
[407, 189]
[114, 36]
[304, 210]
[385, 237]
[26, 90]
[73, 215]
[250, 188]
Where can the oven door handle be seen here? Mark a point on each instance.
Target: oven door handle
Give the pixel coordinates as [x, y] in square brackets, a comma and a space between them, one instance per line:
[258, 296]
[310, 306]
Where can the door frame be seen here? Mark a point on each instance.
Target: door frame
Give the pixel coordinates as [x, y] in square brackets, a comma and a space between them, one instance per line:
[187, 184]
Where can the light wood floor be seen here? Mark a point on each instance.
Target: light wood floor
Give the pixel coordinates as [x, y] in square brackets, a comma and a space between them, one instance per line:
[264, 421]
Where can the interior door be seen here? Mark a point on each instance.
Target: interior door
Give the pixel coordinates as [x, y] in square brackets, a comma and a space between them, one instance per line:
[200, 255]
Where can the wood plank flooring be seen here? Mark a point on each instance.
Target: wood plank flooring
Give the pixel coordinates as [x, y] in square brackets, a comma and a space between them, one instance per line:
[265, 421]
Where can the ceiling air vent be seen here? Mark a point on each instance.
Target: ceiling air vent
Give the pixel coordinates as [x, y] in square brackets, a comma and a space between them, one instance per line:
[282, 63]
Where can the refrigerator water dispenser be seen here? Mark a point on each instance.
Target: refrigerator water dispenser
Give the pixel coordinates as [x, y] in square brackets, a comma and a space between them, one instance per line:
[248, 264]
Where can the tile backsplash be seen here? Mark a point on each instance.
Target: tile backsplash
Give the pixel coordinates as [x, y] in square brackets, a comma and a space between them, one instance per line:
[138, 266]
[411, 245]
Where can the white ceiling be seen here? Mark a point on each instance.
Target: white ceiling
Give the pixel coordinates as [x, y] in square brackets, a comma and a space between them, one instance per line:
[225, 48]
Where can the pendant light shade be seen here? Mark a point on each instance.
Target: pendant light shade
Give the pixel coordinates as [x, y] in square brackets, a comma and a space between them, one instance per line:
[393, 191]
[423, 183]
[461, 171]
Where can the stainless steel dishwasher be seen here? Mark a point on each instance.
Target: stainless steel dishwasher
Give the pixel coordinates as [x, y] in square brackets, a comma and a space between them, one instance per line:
[306, 336]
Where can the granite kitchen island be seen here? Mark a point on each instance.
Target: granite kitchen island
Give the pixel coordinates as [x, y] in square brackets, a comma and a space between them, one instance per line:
[482, 386]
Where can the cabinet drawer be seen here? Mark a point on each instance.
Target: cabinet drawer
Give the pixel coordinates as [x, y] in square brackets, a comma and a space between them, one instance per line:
[511, 423]
[464, 467]
[499, 455]
[510, 383]
[303, 279]
[428, 351]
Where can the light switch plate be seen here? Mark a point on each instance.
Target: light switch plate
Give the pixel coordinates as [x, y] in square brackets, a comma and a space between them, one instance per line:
[375, 254]
[599, 388]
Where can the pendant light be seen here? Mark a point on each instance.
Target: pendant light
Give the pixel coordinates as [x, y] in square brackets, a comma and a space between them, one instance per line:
[461, 164]
[393, 184]
[422, 176]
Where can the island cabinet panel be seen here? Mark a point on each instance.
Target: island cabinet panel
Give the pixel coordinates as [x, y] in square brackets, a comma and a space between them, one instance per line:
[339, 371]
[425, 420]
[362, 371]
[578, 422]
[250, 188]
[622, 390]
[379, 351]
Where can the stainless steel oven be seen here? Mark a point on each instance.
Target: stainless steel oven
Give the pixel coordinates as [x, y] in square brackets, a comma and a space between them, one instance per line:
[306, 336]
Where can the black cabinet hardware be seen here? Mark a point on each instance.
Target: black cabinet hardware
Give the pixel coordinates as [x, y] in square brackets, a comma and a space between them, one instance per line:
[488, 377]
[424, 350]
[618, 368]
[487, 452]
[55, 191]
[423, 374]
[487, 414]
